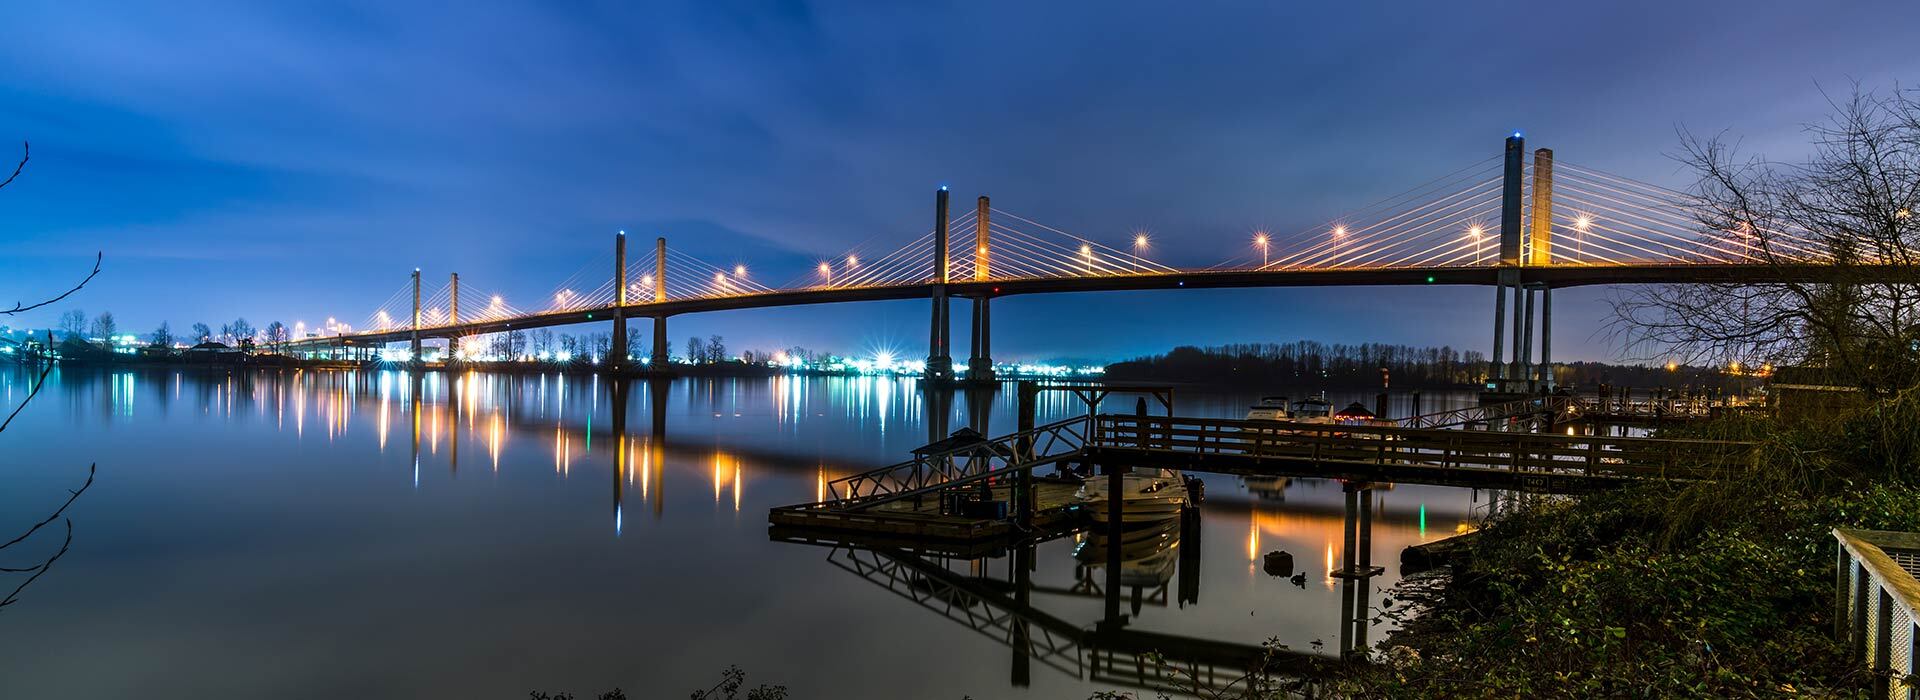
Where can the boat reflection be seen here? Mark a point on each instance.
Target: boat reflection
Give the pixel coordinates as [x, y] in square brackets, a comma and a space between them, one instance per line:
[994, 592]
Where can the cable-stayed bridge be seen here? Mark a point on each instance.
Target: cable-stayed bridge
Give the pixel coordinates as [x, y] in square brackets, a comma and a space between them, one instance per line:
[1525, 225]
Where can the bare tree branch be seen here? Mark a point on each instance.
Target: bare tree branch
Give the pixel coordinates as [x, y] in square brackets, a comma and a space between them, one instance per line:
[40, 570]
[56, 513]
[18, 308]
[25, 151]
[38, 382]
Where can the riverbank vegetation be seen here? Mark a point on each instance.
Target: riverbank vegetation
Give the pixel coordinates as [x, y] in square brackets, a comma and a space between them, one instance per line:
[1721, 588]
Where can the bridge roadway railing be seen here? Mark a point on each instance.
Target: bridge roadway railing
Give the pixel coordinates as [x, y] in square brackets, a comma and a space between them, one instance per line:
[1439, 450]
[960, 465]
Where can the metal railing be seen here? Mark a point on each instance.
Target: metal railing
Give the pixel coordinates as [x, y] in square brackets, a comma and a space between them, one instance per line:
[1321, 443]
[1524, 414]
[960, 466]
[1875, 599]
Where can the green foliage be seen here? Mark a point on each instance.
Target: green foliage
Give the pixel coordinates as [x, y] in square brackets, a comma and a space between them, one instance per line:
[1705, 589]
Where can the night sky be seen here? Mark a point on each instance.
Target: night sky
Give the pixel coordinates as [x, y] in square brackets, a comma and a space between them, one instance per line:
[293, 163]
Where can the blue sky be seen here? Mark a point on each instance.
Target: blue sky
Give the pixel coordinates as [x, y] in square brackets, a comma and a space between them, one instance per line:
[290, 161]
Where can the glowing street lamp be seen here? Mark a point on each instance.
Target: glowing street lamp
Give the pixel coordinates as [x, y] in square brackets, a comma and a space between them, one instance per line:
[720, 283]
[1260, 239]
[1140, 245]
[1581, 223]
[826, 273]
[646, 283]
[1475, 233]
[1086, 256]
[853, 261]
[740, 271]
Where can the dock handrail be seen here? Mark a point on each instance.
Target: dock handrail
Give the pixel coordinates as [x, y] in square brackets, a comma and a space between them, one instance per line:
[1425, 447]
[1553, 408]
[961, 465]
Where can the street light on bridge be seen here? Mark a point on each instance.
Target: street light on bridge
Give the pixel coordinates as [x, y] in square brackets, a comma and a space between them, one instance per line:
[1580, 224]
[1140, 245]
[853, 261]
[1086, 256]
[1260, 239]
[1475, 233]
[826, 273]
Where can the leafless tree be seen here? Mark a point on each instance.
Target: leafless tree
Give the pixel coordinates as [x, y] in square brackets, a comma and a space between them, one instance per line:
[35, 571]
[1840, 232]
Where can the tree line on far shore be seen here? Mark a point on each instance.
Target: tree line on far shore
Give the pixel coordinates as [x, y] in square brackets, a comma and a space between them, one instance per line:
[1316, 364]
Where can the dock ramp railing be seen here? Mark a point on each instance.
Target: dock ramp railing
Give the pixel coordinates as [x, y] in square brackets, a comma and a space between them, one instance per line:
[1522, 414]
[962, 465]
[1453, 450]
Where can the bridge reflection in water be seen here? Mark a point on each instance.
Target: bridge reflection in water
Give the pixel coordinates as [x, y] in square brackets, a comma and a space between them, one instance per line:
[531, 439]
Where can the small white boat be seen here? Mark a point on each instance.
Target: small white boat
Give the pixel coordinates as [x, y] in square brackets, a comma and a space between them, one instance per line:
[1313, 409]
[1147, 496]
[1269, 408]
[1147, 554]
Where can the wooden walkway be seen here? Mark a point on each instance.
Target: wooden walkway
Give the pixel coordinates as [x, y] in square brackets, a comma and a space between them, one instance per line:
[903, 500]
[1484, 459]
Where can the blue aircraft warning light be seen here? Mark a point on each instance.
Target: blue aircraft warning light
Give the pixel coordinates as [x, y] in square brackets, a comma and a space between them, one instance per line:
[1516, 133]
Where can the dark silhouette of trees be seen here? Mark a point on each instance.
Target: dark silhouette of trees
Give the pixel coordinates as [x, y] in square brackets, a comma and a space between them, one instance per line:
[201, 333]
[1308, 363]
[162, 336]
[105, 327]
[1850, 209]
[73, 324]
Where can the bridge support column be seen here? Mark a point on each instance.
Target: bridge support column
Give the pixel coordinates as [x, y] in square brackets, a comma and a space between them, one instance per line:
[939, 355]
[617, 350]
[980, 363]
[1526, 343]
[416, 316]
[1508, 276]
[1497, 369]
[1546, 337]
[660, 360]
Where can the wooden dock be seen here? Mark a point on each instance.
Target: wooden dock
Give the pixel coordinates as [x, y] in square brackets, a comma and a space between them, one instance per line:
[910, 501]
[921, 519]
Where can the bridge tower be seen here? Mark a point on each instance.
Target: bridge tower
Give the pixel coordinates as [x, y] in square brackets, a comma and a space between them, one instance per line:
[453, 314]
[416, 316]
[1521, 246]
[617, 351]
[980, 361]
[660, 359]
[939, 358]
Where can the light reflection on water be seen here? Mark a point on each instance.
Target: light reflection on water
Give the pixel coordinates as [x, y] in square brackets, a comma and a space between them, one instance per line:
[228, 547]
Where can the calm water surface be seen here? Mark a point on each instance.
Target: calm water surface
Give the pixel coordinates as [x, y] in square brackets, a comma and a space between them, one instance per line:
[348, 534]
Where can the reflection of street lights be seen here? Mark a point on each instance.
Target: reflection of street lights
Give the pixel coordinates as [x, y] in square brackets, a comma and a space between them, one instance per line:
[1260, 239]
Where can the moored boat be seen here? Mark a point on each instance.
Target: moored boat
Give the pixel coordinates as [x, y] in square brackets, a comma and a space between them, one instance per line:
[1147, 496]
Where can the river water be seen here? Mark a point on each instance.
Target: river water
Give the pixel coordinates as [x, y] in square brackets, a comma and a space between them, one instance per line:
[333, 534]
